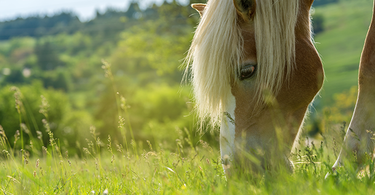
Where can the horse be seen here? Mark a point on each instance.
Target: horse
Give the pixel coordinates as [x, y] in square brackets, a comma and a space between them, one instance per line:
[255, 70]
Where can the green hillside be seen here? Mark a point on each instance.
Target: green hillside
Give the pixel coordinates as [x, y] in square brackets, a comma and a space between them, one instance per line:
[340, 45]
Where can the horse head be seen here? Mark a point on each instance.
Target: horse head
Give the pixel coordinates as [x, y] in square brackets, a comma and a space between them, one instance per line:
[255, 70]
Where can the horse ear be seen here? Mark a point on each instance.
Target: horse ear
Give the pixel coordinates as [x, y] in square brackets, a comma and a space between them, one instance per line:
[245, 8]
[199, 7]
[309, 3]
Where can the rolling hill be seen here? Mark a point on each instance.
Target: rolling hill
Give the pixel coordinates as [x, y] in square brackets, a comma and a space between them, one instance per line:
[340, 45]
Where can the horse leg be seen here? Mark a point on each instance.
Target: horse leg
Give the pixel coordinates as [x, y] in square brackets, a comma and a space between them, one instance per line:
[360, 134]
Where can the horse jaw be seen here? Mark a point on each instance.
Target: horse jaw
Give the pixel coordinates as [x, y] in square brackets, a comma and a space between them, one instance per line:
[227, 134]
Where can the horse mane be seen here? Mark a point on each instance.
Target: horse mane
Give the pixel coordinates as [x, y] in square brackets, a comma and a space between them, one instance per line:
[216, 52]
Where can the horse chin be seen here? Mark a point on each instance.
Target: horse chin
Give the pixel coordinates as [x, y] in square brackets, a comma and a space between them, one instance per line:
[256, 155]
[249, 153]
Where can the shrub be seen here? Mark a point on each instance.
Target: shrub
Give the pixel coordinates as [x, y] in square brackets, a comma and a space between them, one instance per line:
[318, 23]
[21, 110]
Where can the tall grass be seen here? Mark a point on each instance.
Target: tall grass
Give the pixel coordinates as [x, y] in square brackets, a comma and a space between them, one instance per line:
[136, 167]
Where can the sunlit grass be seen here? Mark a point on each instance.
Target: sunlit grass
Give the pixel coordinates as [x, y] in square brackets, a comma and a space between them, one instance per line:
[154, 170]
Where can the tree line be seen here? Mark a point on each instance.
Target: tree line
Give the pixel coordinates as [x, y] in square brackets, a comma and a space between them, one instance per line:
[68, 22]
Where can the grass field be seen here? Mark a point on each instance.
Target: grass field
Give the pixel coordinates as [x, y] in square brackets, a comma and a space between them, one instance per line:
[112, 169]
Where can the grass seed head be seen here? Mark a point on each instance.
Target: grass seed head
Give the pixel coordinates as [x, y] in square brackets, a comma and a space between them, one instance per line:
[44, 107]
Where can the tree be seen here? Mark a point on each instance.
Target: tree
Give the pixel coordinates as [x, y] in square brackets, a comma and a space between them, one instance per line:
[15, 77]
[37, 26]
[195, 1]
[318, 23]
[324, 2]
[47, 57]
[134, 11]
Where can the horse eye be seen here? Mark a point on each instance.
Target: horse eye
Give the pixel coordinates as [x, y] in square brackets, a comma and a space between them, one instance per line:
[247, 72]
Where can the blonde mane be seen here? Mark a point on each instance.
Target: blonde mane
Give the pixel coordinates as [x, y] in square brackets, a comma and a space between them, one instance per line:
[216, 52]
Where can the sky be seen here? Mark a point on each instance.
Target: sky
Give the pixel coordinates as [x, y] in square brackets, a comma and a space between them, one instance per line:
[85, 9]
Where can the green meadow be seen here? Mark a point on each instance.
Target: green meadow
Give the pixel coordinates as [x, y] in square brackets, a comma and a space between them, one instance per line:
[98, 107]
[340, 45]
